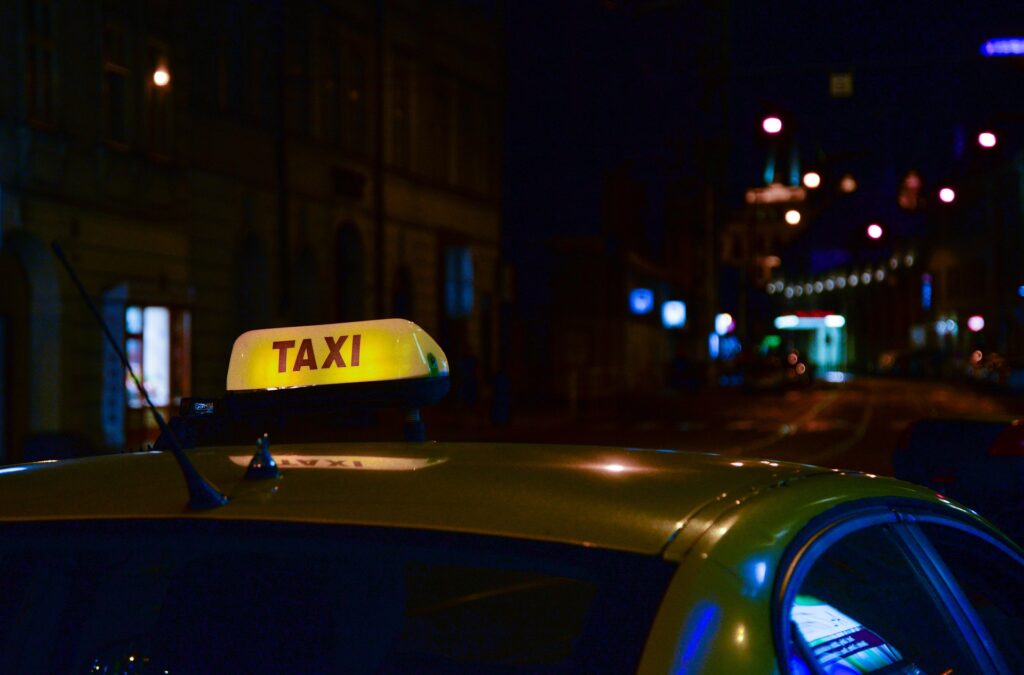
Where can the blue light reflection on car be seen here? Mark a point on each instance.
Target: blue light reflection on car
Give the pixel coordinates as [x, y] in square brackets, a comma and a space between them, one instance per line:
[700, 627]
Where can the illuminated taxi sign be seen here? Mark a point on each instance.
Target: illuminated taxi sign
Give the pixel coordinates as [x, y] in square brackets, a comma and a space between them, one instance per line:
[340, 353]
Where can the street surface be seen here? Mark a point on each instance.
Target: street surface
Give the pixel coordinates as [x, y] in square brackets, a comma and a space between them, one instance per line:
[853, 425]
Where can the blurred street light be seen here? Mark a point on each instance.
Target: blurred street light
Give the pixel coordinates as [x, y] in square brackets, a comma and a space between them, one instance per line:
[771, 125]
[976, 323]
[812, 180]
[847, 183]
[673, 314]
[987, 139]
[793, 217]
[161, 77]
[947, 195]
[875, 231]
[1013, 46]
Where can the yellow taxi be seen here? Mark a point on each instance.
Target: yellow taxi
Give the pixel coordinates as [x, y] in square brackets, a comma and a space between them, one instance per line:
[309, 556]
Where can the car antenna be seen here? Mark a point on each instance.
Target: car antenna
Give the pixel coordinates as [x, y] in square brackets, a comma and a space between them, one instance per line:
[202, 494]
[262, 465]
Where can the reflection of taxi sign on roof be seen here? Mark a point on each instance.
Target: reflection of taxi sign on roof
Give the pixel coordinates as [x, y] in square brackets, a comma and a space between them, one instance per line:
[343, 353]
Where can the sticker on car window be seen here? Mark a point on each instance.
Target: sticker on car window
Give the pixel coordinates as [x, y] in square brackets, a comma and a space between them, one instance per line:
[839, 643]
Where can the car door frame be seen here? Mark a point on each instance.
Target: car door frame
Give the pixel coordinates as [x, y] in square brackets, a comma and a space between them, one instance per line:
[903, 515]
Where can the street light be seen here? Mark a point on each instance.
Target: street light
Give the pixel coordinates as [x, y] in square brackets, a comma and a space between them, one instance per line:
[847, 183]
[793, 217]
[771, 125]
[947, 195]
[812, 180]
[875, 231]
[987, 139]
[161, 77]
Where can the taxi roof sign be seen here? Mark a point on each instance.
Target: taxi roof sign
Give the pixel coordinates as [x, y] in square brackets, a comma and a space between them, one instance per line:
[330, 354]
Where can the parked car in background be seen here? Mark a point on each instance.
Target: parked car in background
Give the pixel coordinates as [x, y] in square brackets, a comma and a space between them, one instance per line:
[979, 462]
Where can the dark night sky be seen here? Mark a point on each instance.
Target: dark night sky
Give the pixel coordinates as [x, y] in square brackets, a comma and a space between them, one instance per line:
[591, 89]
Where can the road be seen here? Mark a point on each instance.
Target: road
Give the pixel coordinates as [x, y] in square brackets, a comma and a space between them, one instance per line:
[854, 425]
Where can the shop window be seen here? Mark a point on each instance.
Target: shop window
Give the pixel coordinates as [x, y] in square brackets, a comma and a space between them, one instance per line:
[157, 343]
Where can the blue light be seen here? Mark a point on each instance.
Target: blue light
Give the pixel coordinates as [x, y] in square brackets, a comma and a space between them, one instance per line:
[713, 345]
[1003, 47]
[729, 347]
[673, 314]
[1020, 291]
[786, 321]
[13, 469]
[926, 291]
[641, 300]
[724, 323]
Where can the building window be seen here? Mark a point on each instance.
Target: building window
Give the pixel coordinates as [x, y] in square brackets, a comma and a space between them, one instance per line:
[158, 100]
[328, 89]
[39, 62]
[115, 83]
[354, 96]
[436, 154]
[260, 95]
[474, 150]
[401, 111]
[297, 91]
[157, 343]
[458, 282]
[348, 273]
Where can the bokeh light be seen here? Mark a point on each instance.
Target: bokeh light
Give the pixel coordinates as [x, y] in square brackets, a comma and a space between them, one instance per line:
[812, 180]
[161, 77]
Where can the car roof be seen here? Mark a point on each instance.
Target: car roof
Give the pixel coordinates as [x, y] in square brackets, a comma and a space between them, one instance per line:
[617, 498]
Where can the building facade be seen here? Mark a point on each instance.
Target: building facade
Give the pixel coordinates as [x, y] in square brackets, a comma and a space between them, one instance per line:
[210, 168]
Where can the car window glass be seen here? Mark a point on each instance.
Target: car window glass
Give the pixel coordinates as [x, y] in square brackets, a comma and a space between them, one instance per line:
[189, 597]
[993, 582]
[864, 608]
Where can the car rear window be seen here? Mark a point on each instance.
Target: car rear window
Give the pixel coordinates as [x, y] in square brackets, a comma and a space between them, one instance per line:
[195, 596]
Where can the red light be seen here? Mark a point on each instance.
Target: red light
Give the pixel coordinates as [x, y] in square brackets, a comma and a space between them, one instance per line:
[875, 231]
[771, 125]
